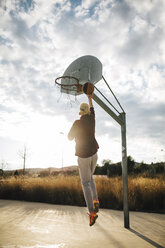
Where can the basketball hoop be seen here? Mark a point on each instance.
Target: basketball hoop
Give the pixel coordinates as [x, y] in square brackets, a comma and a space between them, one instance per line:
[69, 83]
[80, 77]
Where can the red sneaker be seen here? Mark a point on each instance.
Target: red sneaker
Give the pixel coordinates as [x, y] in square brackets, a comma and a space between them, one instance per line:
[92, 218]
[96, 205]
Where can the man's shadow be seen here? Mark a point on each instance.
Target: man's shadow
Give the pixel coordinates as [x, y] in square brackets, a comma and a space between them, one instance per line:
[145, 238]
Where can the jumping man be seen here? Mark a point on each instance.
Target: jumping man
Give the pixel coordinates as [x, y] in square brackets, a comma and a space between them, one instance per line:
[83, 131]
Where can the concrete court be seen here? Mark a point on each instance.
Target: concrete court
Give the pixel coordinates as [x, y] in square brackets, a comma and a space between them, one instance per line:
[40, 225]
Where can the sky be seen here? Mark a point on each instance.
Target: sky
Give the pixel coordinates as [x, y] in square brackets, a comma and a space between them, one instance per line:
[38, 41]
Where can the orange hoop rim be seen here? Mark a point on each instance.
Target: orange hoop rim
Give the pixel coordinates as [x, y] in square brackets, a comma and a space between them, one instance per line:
[67, 85]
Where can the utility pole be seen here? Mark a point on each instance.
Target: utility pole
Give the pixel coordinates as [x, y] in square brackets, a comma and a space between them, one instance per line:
[23, 155]
[62, 159]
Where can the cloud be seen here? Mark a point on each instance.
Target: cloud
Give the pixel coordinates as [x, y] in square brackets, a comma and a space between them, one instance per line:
[38, 41]
[88, 3]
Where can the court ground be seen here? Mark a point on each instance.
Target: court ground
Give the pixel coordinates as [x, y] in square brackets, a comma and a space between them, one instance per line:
[39, 225]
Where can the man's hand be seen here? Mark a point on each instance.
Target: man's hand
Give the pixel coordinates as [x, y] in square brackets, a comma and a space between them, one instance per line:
[90, 100]
[90, 96]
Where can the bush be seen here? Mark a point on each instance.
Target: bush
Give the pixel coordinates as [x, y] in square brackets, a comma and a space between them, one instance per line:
[144, 193]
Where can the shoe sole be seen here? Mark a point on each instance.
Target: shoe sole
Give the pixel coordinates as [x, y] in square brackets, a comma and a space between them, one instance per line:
[94, 220]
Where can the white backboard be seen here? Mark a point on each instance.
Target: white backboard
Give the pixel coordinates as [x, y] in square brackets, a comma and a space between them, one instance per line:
[86, 68]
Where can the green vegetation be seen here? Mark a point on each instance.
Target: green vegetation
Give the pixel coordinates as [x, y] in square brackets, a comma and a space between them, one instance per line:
[150, 170]
[146, 185]
[145, 194]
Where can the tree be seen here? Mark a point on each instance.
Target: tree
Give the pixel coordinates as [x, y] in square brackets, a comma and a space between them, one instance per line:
[130, 164]
[159, 167]
[4, 164]
[114, 170]
[98, 170]
[106, 164]
[16, 174]
[1, 173]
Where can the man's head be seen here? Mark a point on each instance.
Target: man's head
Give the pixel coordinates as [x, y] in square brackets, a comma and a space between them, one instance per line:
[84, 109]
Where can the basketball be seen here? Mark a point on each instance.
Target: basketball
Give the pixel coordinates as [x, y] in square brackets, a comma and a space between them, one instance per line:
[88, 88]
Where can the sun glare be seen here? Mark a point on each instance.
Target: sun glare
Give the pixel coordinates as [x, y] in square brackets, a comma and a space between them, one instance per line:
[46, 140]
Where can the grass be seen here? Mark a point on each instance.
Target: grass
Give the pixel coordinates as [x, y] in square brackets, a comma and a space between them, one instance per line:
[145, 194]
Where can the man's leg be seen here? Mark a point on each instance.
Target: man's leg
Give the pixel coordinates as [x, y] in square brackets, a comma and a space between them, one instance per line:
[93, 166]
[85, 175]
[93, 185]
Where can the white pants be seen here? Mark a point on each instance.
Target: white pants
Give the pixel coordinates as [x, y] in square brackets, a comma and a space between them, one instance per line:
[86, 169]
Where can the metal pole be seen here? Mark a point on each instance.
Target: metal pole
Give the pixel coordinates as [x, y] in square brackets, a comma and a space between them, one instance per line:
[124, 172]
[121, 119]
[107, 109]
[113, 94]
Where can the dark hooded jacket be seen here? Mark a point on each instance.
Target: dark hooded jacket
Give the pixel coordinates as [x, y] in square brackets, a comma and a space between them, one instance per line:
[83, 131]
